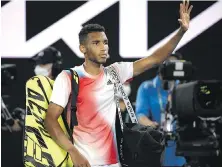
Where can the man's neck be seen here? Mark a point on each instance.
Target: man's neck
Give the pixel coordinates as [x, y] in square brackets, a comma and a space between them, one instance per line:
[92, 68]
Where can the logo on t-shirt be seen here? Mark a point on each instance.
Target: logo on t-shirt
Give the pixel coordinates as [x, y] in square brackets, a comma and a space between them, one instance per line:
[109, 82]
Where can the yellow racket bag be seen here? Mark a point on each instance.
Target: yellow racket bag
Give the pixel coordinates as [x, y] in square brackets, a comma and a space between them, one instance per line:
[39, 148]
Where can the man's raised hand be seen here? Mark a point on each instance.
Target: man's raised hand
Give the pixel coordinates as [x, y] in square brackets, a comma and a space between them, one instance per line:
[185, 10]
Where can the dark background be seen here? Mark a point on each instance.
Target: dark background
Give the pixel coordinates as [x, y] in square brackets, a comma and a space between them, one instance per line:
[205, 51]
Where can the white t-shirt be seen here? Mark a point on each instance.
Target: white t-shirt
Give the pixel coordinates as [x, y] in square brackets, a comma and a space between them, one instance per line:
[95, 135]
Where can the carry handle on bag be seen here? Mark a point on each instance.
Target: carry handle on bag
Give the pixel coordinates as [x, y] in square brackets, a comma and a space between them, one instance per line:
[138, 145]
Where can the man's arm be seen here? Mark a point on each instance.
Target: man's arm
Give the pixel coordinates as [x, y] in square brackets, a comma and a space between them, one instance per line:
[57, 134]
[162, 53]
[54, 129]
[143, 104]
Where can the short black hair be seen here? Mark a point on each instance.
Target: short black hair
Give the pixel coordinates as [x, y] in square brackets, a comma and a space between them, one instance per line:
[88, 29]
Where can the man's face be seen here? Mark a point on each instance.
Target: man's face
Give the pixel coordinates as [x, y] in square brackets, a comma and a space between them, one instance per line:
[44, 69]
[96, 47]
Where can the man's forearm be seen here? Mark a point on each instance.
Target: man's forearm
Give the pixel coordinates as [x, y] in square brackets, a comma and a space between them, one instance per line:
[162, 53]
[159, 55]
[58, 135]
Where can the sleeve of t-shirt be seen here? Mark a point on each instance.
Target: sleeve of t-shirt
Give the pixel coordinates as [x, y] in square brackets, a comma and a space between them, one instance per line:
[142, 101]
[61, 89]
[125, 70]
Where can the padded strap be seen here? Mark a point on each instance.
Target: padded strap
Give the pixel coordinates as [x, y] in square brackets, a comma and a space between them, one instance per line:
[75, 90]
[73, 97]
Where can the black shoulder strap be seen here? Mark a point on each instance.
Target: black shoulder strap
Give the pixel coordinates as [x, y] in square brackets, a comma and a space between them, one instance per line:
[73, 97]
[74, 94]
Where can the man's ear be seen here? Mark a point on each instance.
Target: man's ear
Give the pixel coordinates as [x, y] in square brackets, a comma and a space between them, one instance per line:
[82, 48]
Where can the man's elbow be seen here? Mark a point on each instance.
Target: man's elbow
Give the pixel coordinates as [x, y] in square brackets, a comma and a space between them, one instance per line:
[49, 121]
